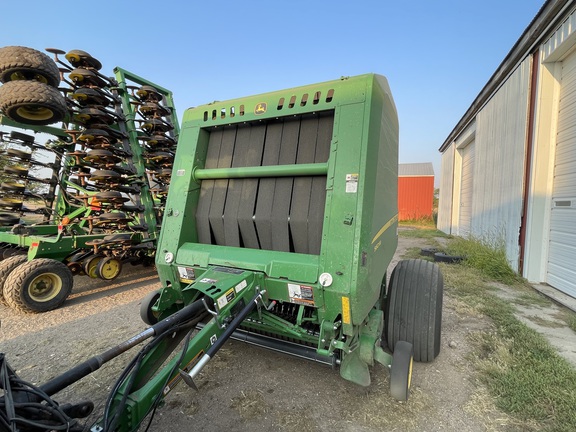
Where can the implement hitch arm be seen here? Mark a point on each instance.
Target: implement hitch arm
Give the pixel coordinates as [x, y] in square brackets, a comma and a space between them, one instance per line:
[188, 377]
[151, 376]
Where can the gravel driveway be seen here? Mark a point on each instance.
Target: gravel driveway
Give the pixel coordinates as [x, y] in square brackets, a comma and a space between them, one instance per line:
[246, 388]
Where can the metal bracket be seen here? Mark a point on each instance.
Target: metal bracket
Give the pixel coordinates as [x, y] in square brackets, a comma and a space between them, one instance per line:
[213, 313]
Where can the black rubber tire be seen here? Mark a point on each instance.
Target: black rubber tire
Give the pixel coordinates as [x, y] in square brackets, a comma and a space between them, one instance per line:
[87, 96]
[112, 216]
[146, 313]
[19, 154]
[449, 259]
[18, 62]
[81, 59]
[31, 102]
[25, 138]
[81, 76]
[7, 265]
[38, 275]
[428, 251]
[401, 371]
[100, 156]
[90, 115]
[149, 93]
[10, 252]
[11, 204]
[7, 219]
[414, 308]
[90, 265]
[13, 187]
[74, 263]
[151, 126]
[158, 140]
[104, 175]
[16, 170]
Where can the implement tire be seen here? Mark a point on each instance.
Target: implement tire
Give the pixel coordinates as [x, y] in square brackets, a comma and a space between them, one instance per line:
[39, 285]
[7, 265]
[23, 63]
[31, 102]
[414, 308]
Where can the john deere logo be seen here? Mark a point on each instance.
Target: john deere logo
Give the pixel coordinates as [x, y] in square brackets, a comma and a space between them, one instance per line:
[260, 108]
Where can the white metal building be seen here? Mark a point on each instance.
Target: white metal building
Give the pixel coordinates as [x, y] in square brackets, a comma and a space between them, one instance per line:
[509, 165]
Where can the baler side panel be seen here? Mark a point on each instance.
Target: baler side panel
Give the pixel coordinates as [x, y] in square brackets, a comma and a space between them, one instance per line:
[378, 235]
[340, 250]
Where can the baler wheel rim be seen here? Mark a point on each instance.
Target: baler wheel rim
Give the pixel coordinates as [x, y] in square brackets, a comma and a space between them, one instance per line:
[401, 371]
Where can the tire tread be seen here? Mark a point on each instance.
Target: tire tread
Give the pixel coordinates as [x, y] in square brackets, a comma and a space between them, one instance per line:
[13, 285]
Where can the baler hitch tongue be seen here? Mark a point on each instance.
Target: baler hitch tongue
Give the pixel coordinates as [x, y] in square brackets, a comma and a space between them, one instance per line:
[188, 377]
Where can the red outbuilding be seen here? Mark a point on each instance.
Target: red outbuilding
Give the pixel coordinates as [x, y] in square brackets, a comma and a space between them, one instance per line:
[415, 191]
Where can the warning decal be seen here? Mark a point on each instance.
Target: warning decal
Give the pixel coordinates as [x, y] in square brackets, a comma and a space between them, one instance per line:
[226, 298]
[351, 183]
[301, 294]
[186, 274]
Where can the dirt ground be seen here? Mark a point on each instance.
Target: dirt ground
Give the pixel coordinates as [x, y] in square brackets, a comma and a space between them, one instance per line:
[246, 388]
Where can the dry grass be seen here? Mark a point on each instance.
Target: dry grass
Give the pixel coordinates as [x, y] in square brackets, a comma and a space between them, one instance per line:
[250, 404]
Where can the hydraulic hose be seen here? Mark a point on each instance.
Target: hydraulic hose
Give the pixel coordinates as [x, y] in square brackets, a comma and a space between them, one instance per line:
[83, 369]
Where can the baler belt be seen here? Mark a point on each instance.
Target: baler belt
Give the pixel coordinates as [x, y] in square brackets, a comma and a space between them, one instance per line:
[266, 189]
[276, 213]
[207, 190]
[221, 187]
[252, 156]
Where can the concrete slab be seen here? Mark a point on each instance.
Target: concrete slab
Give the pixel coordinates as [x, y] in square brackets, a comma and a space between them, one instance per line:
[545, 319]
[557, 296]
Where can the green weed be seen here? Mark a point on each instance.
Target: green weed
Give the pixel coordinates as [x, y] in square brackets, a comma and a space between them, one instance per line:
[525, 375]
[487, 256]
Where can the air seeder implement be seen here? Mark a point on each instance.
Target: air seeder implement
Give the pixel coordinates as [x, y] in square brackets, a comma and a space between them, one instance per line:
[91, 199]
[279, 227]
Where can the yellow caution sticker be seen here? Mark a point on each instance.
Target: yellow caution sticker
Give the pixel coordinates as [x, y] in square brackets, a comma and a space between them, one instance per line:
[226, 298]
[346, 310]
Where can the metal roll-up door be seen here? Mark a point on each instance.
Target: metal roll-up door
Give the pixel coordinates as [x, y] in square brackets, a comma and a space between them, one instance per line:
[561, 269]
[465, 218]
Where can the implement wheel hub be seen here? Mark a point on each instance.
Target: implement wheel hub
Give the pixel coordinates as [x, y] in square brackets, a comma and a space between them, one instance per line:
[34, 112]
[45, 287]
[25, 75]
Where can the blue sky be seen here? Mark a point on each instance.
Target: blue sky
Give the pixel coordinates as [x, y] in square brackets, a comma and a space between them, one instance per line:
[437, 55]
